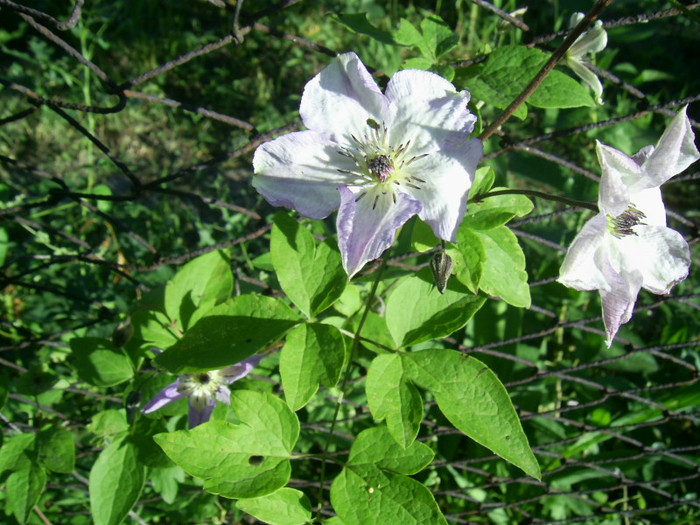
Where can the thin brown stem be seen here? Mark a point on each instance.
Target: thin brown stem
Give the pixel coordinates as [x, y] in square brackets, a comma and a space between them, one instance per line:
[547, 68]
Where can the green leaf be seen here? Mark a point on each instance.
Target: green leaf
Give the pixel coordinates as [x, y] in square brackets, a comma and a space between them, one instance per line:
[470, 395]
[228, 334]
[495, 211]
[374, 487]
[200, 284]
[23, 489]
[504, 272]
[311, 275]
[247, 460]
[422, 236]
[358, 23]
[284, 507]
[390, 395]
[56, 449]
[17, 452]
[438, 35]
[99, 363]
[313, 354]
[418, 63]
[154, 328]
[558, 90]
[375, 334]
[468, 258]
[108, 423]
[166, 481]
[374, 446]
[4, 245]
[408, 35]
[483, 181]
[116, 481]
[362, 495]
[416, 311]
[509, 69]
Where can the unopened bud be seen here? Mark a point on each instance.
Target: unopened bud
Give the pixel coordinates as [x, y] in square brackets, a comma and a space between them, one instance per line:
[441, 265]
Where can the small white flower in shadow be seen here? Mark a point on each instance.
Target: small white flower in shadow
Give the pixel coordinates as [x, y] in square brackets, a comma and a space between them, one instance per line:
[591, 41]
[204, 390]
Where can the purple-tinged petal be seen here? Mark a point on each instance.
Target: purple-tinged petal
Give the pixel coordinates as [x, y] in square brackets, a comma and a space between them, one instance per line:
[580, 269]
[643, 154]
[618, 301]
[198, 416]
[448, 175]
[428, 111]
[659, 254]
[619, 173]
[300, 170]
[674, 152]
[223, 395]
[240, 370]
[168, 395]
[368, 221]
[339, 100]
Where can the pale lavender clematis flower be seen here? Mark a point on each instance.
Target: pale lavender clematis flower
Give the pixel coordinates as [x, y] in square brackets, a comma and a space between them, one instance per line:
[379, 158]
[627, 246]
[204, 389]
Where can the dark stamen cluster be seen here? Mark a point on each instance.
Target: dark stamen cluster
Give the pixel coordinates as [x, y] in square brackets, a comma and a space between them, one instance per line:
[203, 379]
[623, 223]
[381, 167]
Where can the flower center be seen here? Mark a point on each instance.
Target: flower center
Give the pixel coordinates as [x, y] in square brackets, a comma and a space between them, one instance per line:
[622, 225]
[378, 165]
[381, 167]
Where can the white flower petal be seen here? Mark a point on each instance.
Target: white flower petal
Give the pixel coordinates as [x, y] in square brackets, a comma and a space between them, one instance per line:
[339, 100]
[591, 41]
[619, 172]
[650, 203]
[300, 170]
[581, 267]
[659, 254]
[674, 152]
[618, 303]
[448, 175]
[585, 74]
[427, 110]
[367, 227]
[624, 283]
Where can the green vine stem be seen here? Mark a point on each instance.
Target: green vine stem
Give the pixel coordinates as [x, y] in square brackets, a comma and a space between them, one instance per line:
[547, 68]
[539, 194]
[346, 377]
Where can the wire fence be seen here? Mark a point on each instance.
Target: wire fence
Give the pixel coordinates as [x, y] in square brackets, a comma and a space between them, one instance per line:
[617, 446]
